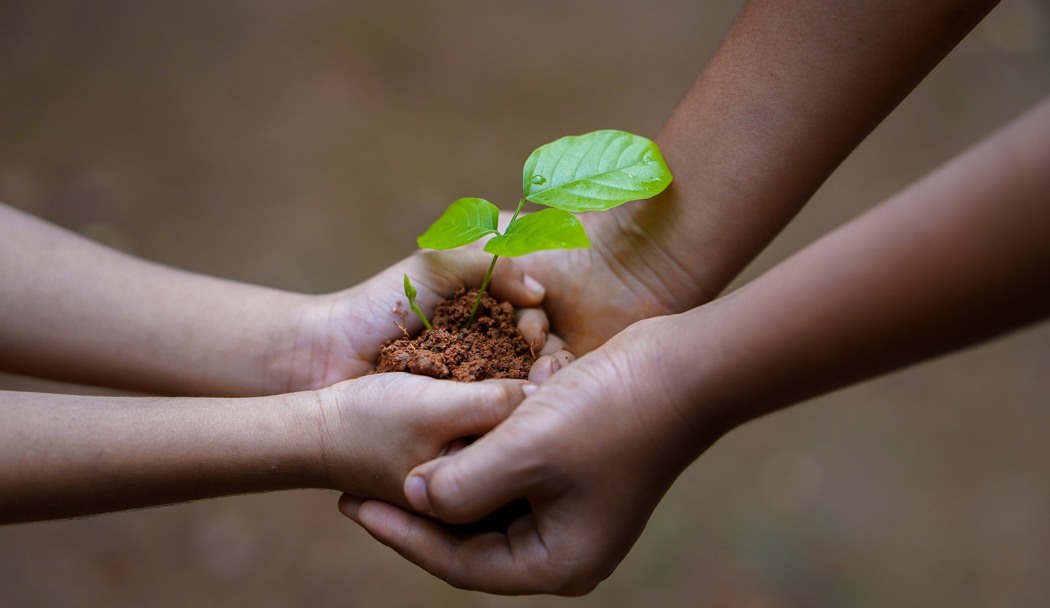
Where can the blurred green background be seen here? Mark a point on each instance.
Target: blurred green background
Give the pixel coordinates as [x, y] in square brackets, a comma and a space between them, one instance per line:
[303, 145]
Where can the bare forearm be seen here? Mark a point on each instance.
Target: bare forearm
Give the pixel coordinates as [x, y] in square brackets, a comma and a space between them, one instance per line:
[792, 90]
[67, 456]
[76, 311]
[958, 258]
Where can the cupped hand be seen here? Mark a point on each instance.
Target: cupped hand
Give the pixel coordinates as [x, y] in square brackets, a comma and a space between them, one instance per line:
[337, 336]
[374, 430]
[626, 276]
[593, 450]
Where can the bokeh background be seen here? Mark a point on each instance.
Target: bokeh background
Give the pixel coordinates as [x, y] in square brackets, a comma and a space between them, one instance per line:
[303, 145]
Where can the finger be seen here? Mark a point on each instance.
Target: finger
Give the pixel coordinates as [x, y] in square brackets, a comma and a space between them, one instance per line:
[475, 408]
[348, 505]
[553, 344]
[544, 367]
[455, 446]
[488, 404]
[533, 325]
[564, 357]
[490, 561]
[465, 487]
[548, 365]
[510, 283]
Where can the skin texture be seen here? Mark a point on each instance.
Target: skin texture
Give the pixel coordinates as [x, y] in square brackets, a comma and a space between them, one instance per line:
[785, 98]
[791, 91]
[957, 258]
[793, 88]
[76, 311]
[68, 455]
[73, 310]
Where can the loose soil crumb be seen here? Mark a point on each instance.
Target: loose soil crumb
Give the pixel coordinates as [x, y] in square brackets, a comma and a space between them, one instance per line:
[492, 347]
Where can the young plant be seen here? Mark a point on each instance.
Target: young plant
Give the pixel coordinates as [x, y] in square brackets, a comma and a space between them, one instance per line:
[410, 293]
[591, 172]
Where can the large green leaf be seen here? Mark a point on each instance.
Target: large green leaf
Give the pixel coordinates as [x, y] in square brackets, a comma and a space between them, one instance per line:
[465, 221]
[546, 229]
[594, 171]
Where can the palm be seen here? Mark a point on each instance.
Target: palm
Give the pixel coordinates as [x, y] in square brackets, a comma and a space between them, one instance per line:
[338, 336]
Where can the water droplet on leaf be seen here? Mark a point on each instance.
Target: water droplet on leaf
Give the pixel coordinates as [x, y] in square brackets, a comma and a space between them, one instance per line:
[538, 180]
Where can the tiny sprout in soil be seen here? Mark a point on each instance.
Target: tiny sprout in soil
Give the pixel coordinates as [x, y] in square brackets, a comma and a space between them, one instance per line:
[410, 293]
[591, 172]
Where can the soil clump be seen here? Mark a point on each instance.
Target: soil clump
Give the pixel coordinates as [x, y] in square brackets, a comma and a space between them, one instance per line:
[492, 347]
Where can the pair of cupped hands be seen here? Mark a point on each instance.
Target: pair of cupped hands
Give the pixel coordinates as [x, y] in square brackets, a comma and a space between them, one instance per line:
[590, 444]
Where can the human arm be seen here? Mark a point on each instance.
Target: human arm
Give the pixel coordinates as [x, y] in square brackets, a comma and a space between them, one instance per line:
[74, 310]
[69, 455]
[958, 258]
[793, 88]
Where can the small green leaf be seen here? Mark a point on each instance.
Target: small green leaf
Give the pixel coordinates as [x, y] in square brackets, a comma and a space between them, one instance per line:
[594, 171]
[546, 229]
[410, 290]
[410, 293]
[465, 221]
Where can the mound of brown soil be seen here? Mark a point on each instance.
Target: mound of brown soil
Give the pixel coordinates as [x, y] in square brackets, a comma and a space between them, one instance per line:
[492, 347]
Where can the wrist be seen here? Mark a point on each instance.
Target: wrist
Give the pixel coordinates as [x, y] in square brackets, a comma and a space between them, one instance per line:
[257, 444]
[636, 242]
[292, 344]
[660, 364]
[695, 374]
[299, 421]
[734, 359]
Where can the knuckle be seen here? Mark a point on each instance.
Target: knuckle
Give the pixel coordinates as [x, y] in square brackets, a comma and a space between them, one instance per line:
[501, 395]
[511, 269]
[445, 492]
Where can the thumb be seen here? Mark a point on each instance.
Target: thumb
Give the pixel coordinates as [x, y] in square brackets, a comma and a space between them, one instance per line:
[465, 487]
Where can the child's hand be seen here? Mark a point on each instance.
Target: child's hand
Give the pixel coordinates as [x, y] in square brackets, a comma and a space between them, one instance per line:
[376, 429]
[548, 365]
[337, 336]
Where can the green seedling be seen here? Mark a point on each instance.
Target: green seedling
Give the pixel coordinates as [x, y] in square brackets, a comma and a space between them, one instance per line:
[591, 172]
[410, 293]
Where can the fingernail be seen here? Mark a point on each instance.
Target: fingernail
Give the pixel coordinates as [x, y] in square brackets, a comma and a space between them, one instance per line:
[540, 341]
[529, 388]
[533, 286]
[349, 505]
[416, 494]
[555, 364]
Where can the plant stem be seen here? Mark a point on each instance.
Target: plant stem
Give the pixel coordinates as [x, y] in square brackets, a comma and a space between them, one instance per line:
[521, 204]
[488, 275]
[420, 314]
[481, 293]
